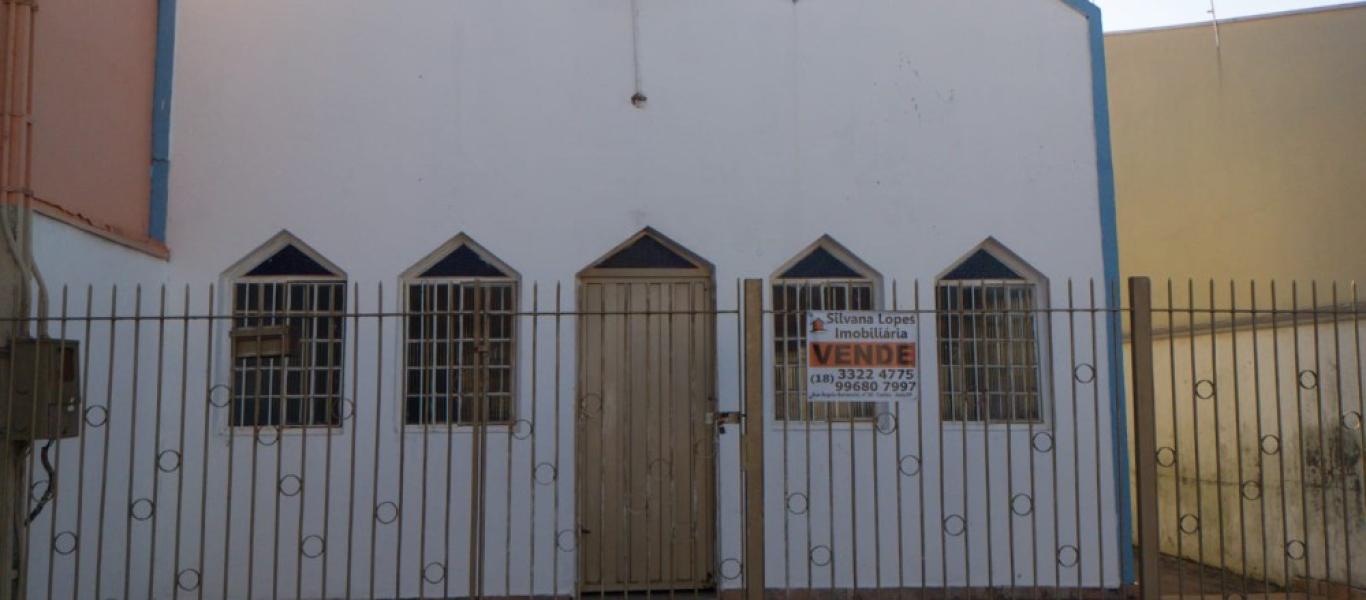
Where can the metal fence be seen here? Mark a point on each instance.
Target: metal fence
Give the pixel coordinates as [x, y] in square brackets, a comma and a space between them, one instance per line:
[636, 435]
[1248, 405]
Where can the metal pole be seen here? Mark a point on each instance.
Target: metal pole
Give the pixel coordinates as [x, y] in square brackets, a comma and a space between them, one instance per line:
[1145, 435]
[752, 439]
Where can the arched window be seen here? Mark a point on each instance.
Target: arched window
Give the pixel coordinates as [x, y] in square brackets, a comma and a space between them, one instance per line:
[823, 276]
[445, 292]
[990, 309]
[287, 337]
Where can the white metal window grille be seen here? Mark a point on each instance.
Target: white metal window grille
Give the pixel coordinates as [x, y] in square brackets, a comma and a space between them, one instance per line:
[989, 359]
[824, 277]
[301, 384]
[451, 362]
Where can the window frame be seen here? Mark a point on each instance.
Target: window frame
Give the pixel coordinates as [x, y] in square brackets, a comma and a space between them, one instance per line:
[239, 274]
[1042, 326]
[413, 277]
[870, 277]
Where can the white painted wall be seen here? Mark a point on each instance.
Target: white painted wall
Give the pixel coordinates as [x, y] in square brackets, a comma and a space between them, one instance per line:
[908, 131]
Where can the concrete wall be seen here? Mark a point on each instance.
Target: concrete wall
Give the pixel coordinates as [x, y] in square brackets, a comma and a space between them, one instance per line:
[909, 132]
[1269, 455]
[92, 116]
[1242, 160]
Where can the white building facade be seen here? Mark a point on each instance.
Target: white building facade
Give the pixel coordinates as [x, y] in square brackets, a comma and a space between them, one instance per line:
[519, 144]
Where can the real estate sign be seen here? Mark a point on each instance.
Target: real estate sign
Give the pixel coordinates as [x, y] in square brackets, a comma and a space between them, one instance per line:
[860, 356]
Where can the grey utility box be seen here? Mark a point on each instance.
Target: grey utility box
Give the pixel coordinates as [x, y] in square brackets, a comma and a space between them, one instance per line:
[41, 374]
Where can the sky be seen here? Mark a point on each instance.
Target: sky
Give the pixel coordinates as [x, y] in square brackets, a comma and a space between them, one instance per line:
[1136, 14]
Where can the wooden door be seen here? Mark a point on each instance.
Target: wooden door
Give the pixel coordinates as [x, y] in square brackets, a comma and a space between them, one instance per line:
[645, 444]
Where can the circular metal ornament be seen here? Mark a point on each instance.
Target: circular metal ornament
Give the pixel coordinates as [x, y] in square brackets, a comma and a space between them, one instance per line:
[261, 439]
[545, 473]
[64, 543]
[290, 485]
[1069, 556]
[1352, 421]
[93, 410]
[1309, 379]
[820, 555]
[1271, 445]
[909, 465]
[797, 503]
[1166, 457]
[1251, 490]
[1296, 550]
[386, 512]
[1204, 389]
[955, 525]
[731, 569]
[142, 509]
[313, 546]
[1042, 436]
[167, 467]
[437, 576]
[1189, 524]
[180, 580]
[521, 429]
[885, 423]
[347, 409]
[227, 395]
[1084, 373]
[1015, 506]
[565, 541]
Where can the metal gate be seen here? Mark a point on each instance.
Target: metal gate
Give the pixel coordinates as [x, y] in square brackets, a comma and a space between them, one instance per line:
[488, 439]
[1247, 404]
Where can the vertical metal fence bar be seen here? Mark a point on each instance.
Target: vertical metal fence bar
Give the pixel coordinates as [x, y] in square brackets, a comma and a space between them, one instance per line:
[1195, 435]
[379, 416]
[1145, 438]
[1341, 419]
[1280, 436]
[555, 550]
[351, 455]
[156, 442]
[132, 440]
[1234, 326]
[1075, 435]
[535, 434]
[84, 432]
[1176, 439]
[1299, 426]
[753, 440]
[1325, 457]
[1253, 319]
[1093, 310]
[185, 331]
[53, 418]
[1218, 435]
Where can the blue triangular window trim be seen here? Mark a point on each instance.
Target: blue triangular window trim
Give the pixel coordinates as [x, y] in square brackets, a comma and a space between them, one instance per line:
[646, 253]
[463, 261]
[820, 263]
[982, 265]
[290, 261]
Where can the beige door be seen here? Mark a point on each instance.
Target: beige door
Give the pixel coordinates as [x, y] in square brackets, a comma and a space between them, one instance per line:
[645, 449]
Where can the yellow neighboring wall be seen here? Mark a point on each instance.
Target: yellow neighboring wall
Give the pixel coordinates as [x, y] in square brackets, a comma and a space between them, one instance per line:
[1245, 159]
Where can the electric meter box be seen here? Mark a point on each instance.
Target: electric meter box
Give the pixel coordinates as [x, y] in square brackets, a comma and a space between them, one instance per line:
[40, 390]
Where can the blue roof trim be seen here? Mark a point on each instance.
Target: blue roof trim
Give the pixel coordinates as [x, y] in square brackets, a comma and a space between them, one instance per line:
[164, 67]
[1105, 173]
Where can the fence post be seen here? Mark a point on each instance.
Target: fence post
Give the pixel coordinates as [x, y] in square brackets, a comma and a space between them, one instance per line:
[752, 439]
[1145, 434]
